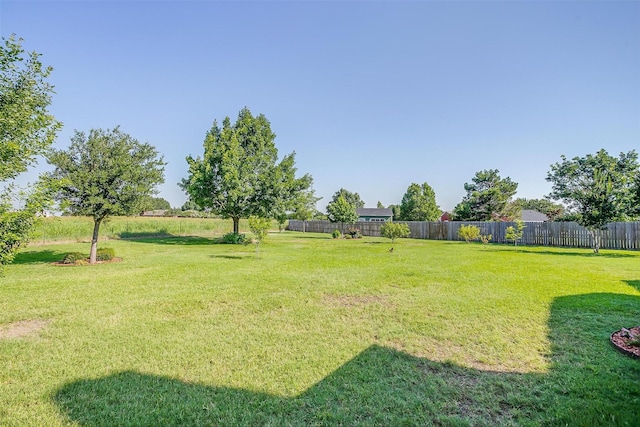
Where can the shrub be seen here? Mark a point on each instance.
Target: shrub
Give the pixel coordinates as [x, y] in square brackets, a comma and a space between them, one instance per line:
[105, 254]
[468, 232]
[336, 234]
[234, 239]
[485, 238]
[74, 258]
[394, 230]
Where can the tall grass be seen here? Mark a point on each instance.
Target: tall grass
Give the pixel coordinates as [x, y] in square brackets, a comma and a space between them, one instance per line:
[79, 229]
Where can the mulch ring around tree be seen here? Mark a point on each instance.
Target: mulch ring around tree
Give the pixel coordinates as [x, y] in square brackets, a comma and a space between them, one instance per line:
[84, 262]
[623, 338]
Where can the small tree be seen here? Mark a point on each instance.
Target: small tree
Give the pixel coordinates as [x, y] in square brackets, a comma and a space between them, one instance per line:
[259, 227]
[104, 174]
[304, 206]
[468, 232]
[394, 230]
[514, 232]
[342, 211]
[281, 219]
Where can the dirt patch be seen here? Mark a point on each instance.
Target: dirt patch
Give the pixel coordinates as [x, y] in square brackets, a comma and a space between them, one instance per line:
[79, 264]
[22, 328]
[622, 341]
[356, 300]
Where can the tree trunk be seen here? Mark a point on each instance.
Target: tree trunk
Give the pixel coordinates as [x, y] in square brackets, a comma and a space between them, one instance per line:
[304, 225]
[596, 240]
[94, 241]
[236, 225]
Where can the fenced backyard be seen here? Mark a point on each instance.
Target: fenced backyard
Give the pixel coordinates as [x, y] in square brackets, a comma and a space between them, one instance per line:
[618, 235]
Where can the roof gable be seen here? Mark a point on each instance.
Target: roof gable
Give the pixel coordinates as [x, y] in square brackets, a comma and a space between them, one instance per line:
[529, 215]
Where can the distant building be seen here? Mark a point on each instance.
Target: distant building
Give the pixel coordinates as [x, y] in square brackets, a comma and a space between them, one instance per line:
[529, 215]
[374, 214]
[445, 217]
[157, 212]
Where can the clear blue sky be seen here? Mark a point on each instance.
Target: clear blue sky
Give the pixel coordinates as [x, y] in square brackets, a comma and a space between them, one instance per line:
[372, 96]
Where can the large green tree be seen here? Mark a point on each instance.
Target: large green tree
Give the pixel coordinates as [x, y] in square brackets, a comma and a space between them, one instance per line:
[239, 174]
[597, 189]
[487, 197]
[105, 173]
[419, 204]
[27, 129]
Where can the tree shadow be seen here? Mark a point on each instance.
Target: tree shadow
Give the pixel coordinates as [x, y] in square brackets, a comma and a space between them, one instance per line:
[174, 240]
[233, 256]
[38, 257]
[523, 249]
[588, 383]
[306, 236]
[131, 235]
[634, 283]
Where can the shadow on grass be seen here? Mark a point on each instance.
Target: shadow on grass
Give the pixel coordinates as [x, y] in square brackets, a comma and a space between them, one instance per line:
[127, 235]
[233, 256]
[38, 257]
[634, 283]
[307, 236]
[175, 240]
[588, 383]
[524, 249]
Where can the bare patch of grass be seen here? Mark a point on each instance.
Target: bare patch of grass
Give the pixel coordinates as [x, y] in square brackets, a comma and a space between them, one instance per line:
[23, 328]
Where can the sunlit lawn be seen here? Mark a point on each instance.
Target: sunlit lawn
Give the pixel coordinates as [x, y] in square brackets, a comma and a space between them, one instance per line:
[319, 331]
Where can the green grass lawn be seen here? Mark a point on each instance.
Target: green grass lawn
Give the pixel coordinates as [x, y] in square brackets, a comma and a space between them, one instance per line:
[318, 331]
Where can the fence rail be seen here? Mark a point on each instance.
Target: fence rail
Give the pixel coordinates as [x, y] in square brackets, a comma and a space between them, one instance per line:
[617, 235]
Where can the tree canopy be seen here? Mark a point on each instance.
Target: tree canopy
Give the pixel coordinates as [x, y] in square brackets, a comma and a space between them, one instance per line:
[487, 197]
[598, 189]
[27, 129]
[352, 198]
[419, 204]
[105, 173]
[304, 206]
[341, 210]
[239, 174]
[394, 230]
[156, 203]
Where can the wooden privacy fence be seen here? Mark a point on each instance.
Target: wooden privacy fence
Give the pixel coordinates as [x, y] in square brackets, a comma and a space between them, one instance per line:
[618, 235]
